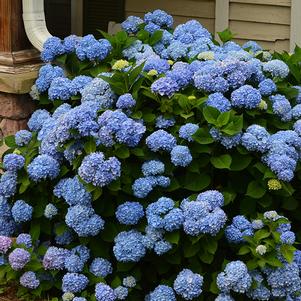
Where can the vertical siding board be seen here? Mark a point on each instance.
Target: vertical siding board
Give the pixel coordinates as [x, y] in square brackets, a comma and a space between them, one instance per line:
[221, 15]
[295, 34]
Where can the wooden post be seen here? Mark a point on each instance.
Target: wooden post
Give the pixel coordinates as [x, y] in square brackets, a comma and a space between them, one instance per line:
[221, 15]
[19, 64]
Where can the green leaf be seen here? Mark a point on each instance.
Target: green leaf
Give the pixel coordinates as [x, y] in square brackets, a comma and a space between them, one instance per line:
[90, 146]
[196, 182]
[255, 190]
[156, 37]
[211, 245]
[225, 35]
[223, 119]
[121, 37]
[122, 152]
[191, 250]
[173, 237]
[35, 229]
[60, 229]
[240, 162]
[10, 141]
[211, 114]
[143, 35]
[234, 127]
[221, 162]
[202, 136]
[244, 250]
[137, 152]
[261, 234]
[287, 253]
[133, 74]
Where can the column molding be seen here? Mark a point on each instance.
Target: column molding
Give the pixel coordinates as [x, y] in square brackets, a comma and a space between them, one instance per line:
[221, 15]
[77, 17]
[295, 34]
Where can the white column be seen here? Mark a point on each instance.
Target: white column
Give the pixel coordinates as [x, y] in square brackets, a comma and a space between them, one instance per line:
[222, 15]
[77, 17]
[295, 35]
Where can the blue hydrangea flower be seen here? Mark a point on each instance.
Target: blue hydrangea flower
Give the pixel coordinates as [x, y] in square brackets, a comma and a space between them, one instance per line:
[13, 162]
[276, 68]
[213, 197]
[79, 299]
[161, 140]
[187, 130]
[143, 186]
[8, 184]
[29, 280]
[74, 264]
[235, 277]
[218, 101]
[84, 221]
[64, 238]
[288, 237]
[60, 89]
[103, 292]
[188, 284]
[239, 228]
[161, 247]
[227, 141]
[37, 120]
[267, 87]
[23, 137]
[153, 168]
[252, 45]
[224, 297]
[50, 211]
[281, 106]
[180, 156]
[74, 283]
[79, 83]
[54, 258]
[121, 292]
[260, 292]
[162, 293]
[128, 246]
[21, 211]
[129, 281]
[70, 43]
[256, 138]
[24, 239]
[18, 258]
[52, 47]
[125, 101]
[173, 220]
[165, 86]
[158, 64]
[92, 49]
[129, 213]
[164, 123]
[131, 24]
[5, 244]
[101, 267]
[246, 97]
[7, 223]
[160, 18]
[73, 192]
[43, 167]
[82, 251]
[98, 171]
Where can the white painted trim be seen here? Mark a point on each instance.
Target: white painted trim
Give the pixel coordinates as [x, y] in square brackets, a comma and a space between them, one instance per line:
[221, 15]
[295, 35]
[77, 17]
[34, 22]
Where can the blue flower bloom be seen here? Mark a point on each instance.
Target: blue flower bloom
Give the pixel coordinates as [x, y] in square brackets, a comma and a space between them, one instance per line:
[50, 211]
[276, 68]
[43, 167]
[18, 258]
[129, 213]
[13, 162]
[54, 258]
[79, 83]
[288, 237]
[224, 297]
[213, 197]
[246, 97]
[281, 106]
[267, 87]
[235, 277]
[128, 246]
[161, 247]
[82, 251]
[218, 101]
[52, 47]
[181, 156]
[103, 292]
[23, 137]
[152, 168]
[60, 89]
[101, 267]
[252, 45]
[160, 18]
[161, 140]
[70, 43]
[74, 264]
[37, 120]
[74, 283]
[24, 239]
[163, 123]
[131, 24]
[158, 64]
[84, 221]
[29, 280]
[125, 101]
[98, 171]
[21, 211]
[121, 292]
[8, 184]
[188, 284]
[239, 228]
[162, 293]
[165, 86]
[187, 130]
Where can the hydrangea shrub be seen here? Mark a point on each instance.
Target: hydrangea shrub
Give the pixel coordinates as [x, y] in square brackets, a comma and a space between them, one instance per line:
[160, 165]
